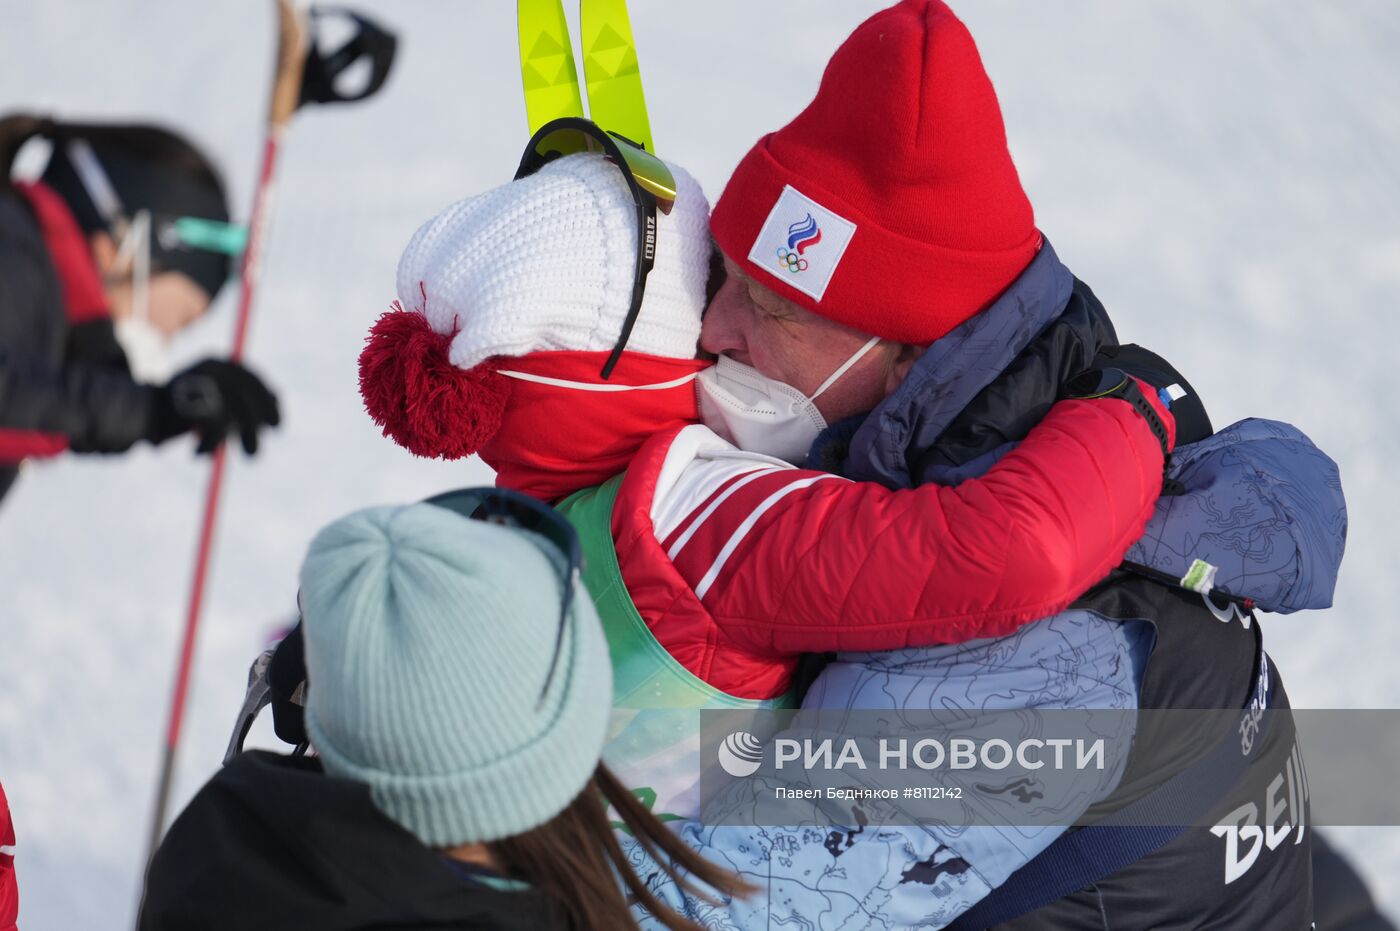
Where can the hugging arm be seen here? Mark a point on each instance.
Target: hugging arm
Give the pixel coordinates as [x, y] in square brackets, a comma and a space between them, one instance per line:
[799, 562]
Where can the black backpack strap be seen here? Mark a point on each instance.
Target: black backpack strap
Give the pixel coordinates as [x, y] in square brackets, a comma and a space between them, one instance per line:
[1083, 856]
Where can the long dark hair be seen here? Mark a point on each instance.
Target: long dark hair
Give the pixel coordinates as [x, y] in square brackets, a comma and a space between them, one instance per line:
[575, 858]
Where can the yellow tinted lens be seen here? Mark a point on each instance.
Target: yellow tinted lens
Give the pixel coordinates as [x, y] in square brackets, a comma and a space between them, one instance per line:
[566, 142]
[652, 174]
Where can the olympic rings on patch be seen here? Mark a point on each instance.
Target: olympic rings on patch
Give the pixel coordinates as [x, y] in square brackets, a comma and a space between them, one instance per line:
[792, 261]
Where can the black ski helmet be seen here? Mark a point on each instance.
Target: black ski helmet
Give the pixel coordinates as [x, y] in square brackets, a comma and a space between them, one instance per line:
[149, 168]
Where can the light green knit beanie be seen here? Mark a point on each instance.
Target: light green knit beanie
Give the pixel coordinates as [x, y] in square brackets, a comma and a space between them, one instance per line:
[428, 640]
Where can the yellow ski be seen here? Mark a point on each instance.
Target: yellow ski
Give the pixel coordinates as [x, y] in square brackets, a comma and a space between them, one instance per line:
[615, 98]
[547, 62]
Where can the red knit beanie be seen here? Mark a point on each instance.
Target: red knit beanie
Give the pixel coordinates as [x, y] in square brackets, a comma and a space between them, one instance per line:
[890, 204]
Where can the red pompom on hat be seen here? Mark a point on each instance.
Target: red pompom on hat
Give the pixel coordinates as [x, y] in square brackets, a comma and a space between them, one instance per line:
[891, 203]
[426, 404]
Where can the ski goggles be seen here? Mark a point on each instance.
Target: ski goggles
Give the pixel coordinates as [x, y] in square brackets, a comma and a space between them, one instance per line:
[650, 182]
[278, 676]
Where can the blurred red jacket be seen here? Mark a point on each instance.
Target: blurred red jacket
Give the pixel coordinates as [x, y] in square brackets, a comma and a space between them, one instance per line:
[9, 892]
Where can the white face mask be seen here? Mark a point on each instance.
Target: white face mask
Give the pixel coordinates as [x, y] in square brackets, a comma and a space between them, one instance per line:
[761, 415]
[147, 350]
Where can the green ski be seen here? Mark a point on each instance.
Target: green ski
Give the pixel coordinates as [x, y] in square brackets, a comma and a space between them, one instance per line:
[547, 62]
[615, 98]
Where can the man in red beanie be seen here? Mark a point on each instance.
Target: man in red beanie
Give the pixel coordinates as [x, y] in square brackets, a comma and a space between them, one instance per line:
[890, 204]
[890, 211]
[930, 223]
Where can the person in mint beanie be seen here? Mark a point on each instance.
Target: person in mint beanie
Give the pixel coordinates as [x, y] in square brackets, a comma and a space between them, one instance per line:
[456, 695]
[426, 648]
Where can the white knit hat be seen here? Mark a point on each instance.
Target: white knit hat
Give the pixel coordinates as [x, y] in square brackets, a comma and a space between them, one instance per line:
[547, 262]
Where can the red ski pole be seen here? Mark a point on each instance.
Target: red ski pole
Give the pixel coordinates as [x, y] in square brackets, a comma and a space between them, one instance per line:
[292, 46]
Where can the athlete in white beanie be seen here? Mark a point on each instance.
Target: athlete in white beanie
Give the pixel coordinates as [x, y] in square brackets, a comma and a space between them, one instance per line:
[565, 280]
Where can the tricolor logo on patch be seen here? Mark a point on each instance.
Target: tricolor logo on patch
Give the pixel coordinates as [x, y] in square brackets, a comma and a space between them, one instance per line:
[802, 235]
[802, 243]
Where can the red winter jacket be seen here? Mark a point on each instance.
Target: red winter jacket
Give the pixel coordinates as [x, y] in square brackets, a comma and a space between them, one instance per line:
[9, 892]
[740, 563]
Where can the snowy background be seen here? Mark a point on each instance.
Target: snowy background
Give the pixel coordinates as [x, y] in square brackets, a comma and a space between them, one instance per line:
[1224, 176]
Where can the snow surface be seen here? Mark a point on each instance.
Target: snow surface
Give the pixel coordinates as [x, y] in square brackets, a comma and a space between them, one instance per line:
[1223, 175]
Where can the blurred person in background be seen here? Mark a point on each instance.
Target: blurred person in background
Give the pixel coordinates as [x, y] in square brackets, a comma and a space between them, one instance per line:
[121, 243]
[456, 684]
[9, 892]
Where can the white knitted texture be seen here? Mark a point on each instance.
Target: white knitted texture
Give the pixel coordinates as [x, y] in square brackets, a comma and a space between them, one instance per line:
[546, 263]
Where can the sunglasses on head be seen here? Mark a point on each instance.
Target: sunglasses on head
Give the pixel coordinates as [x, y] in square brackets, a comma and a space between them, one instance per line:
[278, 676]
[172, 232]
[651, 183]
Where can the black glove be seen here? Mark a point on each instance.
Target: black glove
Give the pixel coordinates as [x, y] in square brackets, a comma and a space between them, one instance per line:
[212, 398]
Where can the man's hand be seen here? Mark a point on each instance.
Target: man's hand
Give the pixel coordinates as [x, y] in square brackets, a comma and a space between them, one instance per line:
[212, 398]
